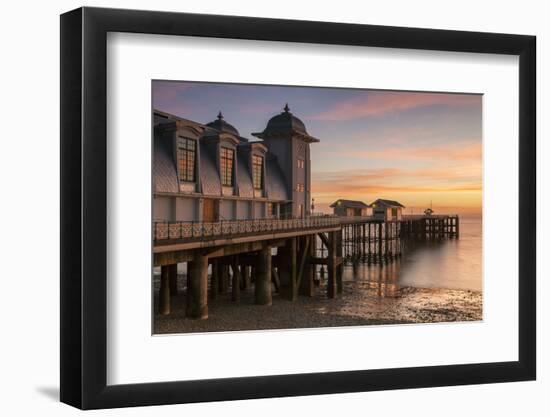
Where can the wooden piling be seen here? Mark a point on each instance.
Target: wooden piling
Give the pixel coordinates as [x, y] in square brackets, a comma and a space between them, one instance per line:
[331, 266]
[380, 259]
[224, 277]
[363, 241]
[340, 267]
[262, 286]
[287, 269]
[246, 276]
[275, 279]
[214, 280]
[197, 294]
[369, 252]
[236, 281]
[305, 271]
[173, 272]
[164, 293]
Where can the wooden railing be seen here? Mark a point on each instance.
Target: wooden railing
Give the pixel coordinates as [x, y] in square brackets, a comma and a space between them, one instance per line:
[201, 230]
[163, 230]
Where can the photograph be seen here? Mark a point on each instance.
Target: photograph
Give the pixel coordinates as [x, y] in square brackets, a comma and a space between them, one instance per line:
[299, 207]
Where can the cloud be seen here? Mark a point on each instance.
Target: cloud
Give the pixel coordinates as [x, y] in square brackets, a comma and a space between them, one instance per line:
[470, 151]
[169, 91]
[377, 103]
[395, 183]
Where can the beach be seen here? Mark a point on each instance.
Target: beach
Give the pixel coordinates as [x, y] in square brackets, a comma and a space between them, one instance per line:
[361, 303]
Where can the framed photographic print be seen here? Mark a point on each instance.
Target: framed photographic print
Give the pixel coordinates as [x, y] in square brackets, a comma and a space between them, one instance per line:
[257, 208]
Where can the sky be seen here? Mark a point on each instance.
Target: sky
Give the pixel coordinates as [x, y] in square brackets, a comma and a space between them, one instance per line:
[418, 148]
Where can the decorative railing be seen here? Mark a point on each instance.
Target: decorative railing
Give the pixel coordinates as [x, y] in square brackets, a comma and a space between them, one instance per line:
[224, 228]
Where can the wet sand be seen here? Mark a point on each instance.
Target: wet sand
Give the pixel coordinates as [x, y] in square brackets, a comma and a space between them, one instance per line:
[361, 303]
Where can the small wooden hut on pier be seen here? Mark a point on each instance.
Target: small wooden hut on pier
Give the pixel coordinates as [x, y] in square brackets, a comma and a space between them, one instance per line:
[387, 209]
[351, 208]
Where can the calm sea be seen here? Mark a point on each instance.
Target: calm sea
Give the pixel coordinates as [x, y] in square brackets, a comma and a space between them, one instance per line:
[451, 264]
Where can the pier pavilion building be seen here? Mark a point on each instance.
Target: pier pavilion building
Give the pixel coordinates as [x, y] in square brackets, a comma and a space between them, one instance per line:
[209, 172]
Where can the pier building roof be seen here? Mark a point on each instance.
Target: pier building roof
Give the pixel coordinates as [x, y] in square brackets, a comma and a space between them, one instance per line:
[349, 203]
[388, 203]
[165, 170]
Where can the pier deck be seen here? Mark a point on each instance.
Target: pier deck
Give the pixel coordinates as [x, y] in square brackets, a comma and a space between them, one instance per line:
[239, 253]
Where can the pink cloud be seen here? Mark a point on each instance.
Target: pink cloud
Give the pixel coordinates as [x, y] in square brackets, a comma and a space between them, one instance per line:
[170, 91]
[377, 103]
[467, 152]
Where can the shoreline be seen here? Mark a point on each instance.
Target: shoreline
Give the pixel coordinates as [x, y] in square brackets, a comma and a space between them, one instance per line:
[362, 303]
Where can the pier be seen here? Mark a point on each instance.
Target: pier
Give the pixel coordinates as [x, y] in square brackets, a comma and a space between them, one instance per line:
[286, 255]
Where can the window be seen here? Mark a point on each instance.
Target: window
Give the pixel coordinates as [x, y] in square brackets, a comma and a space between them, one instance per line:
[300, 187]
[187, 150]
[226, 166]
[269, 209]
[301, 163]
[257, 169]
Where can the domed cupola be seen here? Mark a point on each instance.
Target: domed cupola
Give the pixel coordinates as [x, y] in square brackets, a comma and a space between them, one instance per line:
[286, 121]
[222, 126]
[285, 124]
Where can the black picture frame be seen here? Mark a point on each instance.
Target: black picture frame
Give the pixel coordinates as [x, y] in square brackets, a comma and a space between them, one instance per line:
[84, 207]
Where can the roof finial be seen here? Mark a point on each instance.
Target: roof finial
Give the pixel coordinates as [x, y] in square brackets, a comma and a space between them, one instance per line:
[286, 109]
[220, 115]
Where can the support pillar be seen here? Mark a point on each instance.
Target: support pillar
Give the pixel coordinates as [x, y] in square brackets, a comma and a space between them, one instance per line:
[246, 276]
[214, 280]
[173, 272]
[224, 277]
[331, 264]
[197, 294]
[288, 269]
[340, 267]
[262, 286]
[236, 282]
[305, 270]
[164, 293]
[380, 242]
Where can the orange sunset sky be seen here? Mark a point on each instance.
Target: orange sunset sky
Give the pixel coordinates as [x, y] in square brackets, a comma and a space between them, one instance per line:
[412, 147]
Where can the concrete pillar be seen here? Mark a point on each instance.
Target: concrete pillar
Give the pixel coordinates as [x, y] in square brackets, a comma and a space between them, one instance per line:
[173, 272]
[164, 293]
[197, 295]
[262, 287]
